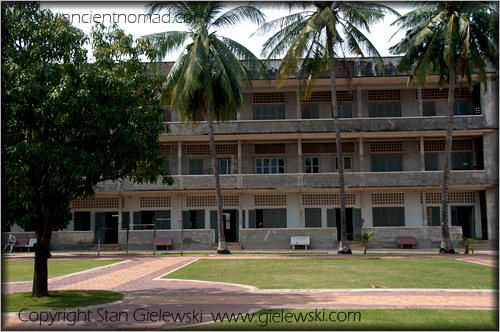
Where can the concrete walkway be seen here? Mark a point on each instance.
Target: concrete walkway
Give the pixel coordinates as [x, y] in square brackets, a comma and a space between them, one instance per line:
[154, 303]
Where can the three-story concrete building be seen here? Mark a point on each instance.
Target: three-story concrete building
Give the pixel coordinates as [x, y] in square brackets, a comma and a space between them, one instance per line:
[278, 166]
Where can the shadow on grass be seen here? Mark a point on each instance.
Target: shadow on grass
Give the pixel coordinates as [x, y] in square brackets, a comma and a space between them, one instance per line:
[14, 302]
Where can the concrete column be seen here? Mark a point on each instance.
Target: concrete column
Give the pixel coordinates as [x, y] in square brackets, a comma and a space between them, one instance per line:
[424, 209]
[240, 212]
[362, 206]
[299, 156]
[359, 100]
[420, 105]
[299, 111]
[240, 180]
[179, 158]
[492, 214]
[179, 211]
[302, 222]
[490, 146]
[239, 156]
[361, 156]
[120, 211]
[489, 102]
[422, 154]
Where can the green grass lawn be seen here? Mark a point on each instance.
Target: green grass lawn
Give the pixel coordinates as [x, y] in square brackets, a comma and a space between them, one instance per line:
[22, 270]
[343, 273]
[57, 300]
[367, 319]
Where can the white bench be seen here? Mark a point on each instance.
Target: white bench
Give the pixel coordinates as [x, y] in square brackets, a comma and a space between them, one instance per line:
[300, 241]
[30, 244]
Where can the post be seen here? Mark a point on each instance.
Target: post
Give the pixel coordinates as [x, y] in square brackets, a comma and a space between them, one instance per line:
[182, 234]
[154, 238]
[99, 243]
[128, 228]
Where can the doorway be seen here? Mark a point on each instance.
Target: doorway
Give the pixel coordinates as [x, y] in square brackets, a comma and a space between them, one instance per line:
[464, 216]
[348, 220]
[108, 221]
[230, 220]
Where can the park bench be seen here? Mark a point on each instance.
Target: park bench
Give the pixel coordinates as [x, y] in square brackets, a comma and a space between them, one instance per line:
[406, 240]
[299, 241]
[21, 243]
[30, 244]
[163, 242]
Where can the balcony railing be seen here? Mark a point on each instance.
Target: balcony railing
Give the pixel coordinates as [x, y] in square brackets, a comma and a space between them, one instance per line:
[242, 127]
[307, 181]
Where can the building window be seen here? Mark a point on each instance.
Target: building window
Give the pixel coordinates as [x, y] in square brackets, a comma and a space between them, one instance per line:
[434, 216]
[344, 111]
[379, 110]
[267, 218]
[428, 108]
[269, 112]
[431, 162]
[347, 164]
[388, 216]
[196, 166]
[270, 165]
[193, 219]
[313, 217]
[310, 112]
[147, 218]
[387, 163]
[311, 165]
[224, 166]
[81, 221]
[460, 108]
[461, 161]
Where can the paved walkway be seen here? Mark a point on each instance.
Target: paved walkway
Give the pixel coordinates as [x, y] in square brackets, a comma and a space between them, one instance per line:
[148, 297]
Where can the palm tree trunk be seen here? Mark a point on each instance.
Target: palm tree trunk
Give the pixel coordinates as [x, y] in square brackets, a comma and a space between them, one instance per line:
[446, 246]
[344, 243]
[222, 247]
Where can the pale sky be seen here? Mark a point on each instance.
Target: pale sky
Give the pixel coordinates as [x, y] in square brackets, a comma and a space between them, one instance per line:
[84, 15]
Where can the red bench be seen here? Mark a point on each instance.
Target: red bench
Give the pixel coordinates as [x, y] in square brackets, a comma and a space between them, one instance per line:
[406, 240]
[21, 243]
[163, 242]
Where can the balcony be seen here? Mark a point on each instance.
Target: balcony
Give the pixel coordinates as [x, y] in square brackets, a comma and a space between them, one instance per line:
[357, 125]
[306, 181]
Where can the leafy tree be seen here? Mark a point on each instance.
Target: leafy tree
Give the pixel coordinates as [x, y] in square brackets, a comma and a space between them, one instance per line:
[316, 40]
[447, 38]
[15, 211]
[204, 82]
[68, 124]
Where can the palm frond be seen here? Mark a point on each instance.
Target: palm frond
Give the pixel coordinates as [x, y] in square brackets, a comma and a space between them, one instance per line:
[167, 42]
[234, 17]
[255, 69]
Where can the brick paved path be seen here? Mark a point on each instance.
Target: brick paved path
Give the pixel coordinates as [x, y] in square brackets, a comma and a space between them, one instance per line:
[197, 301]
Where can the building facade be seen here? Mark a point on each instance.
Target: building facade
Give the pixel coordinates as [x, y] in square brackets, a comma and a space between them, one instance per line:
[278, 166]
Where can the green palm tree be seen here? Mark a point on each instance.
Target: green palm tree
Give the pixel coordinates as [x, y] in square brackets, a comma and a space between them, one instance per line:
[204, 82]
[445, 39]
[313, 41]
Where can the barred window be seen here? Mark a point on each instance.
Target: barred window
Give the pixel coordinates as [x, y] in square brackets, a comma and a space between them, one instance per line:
[388, 198]
[326, 97]
[382, 95]
[270, 200]
[327, 199]
[386, 146]
[437, 94]
[268, 97]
